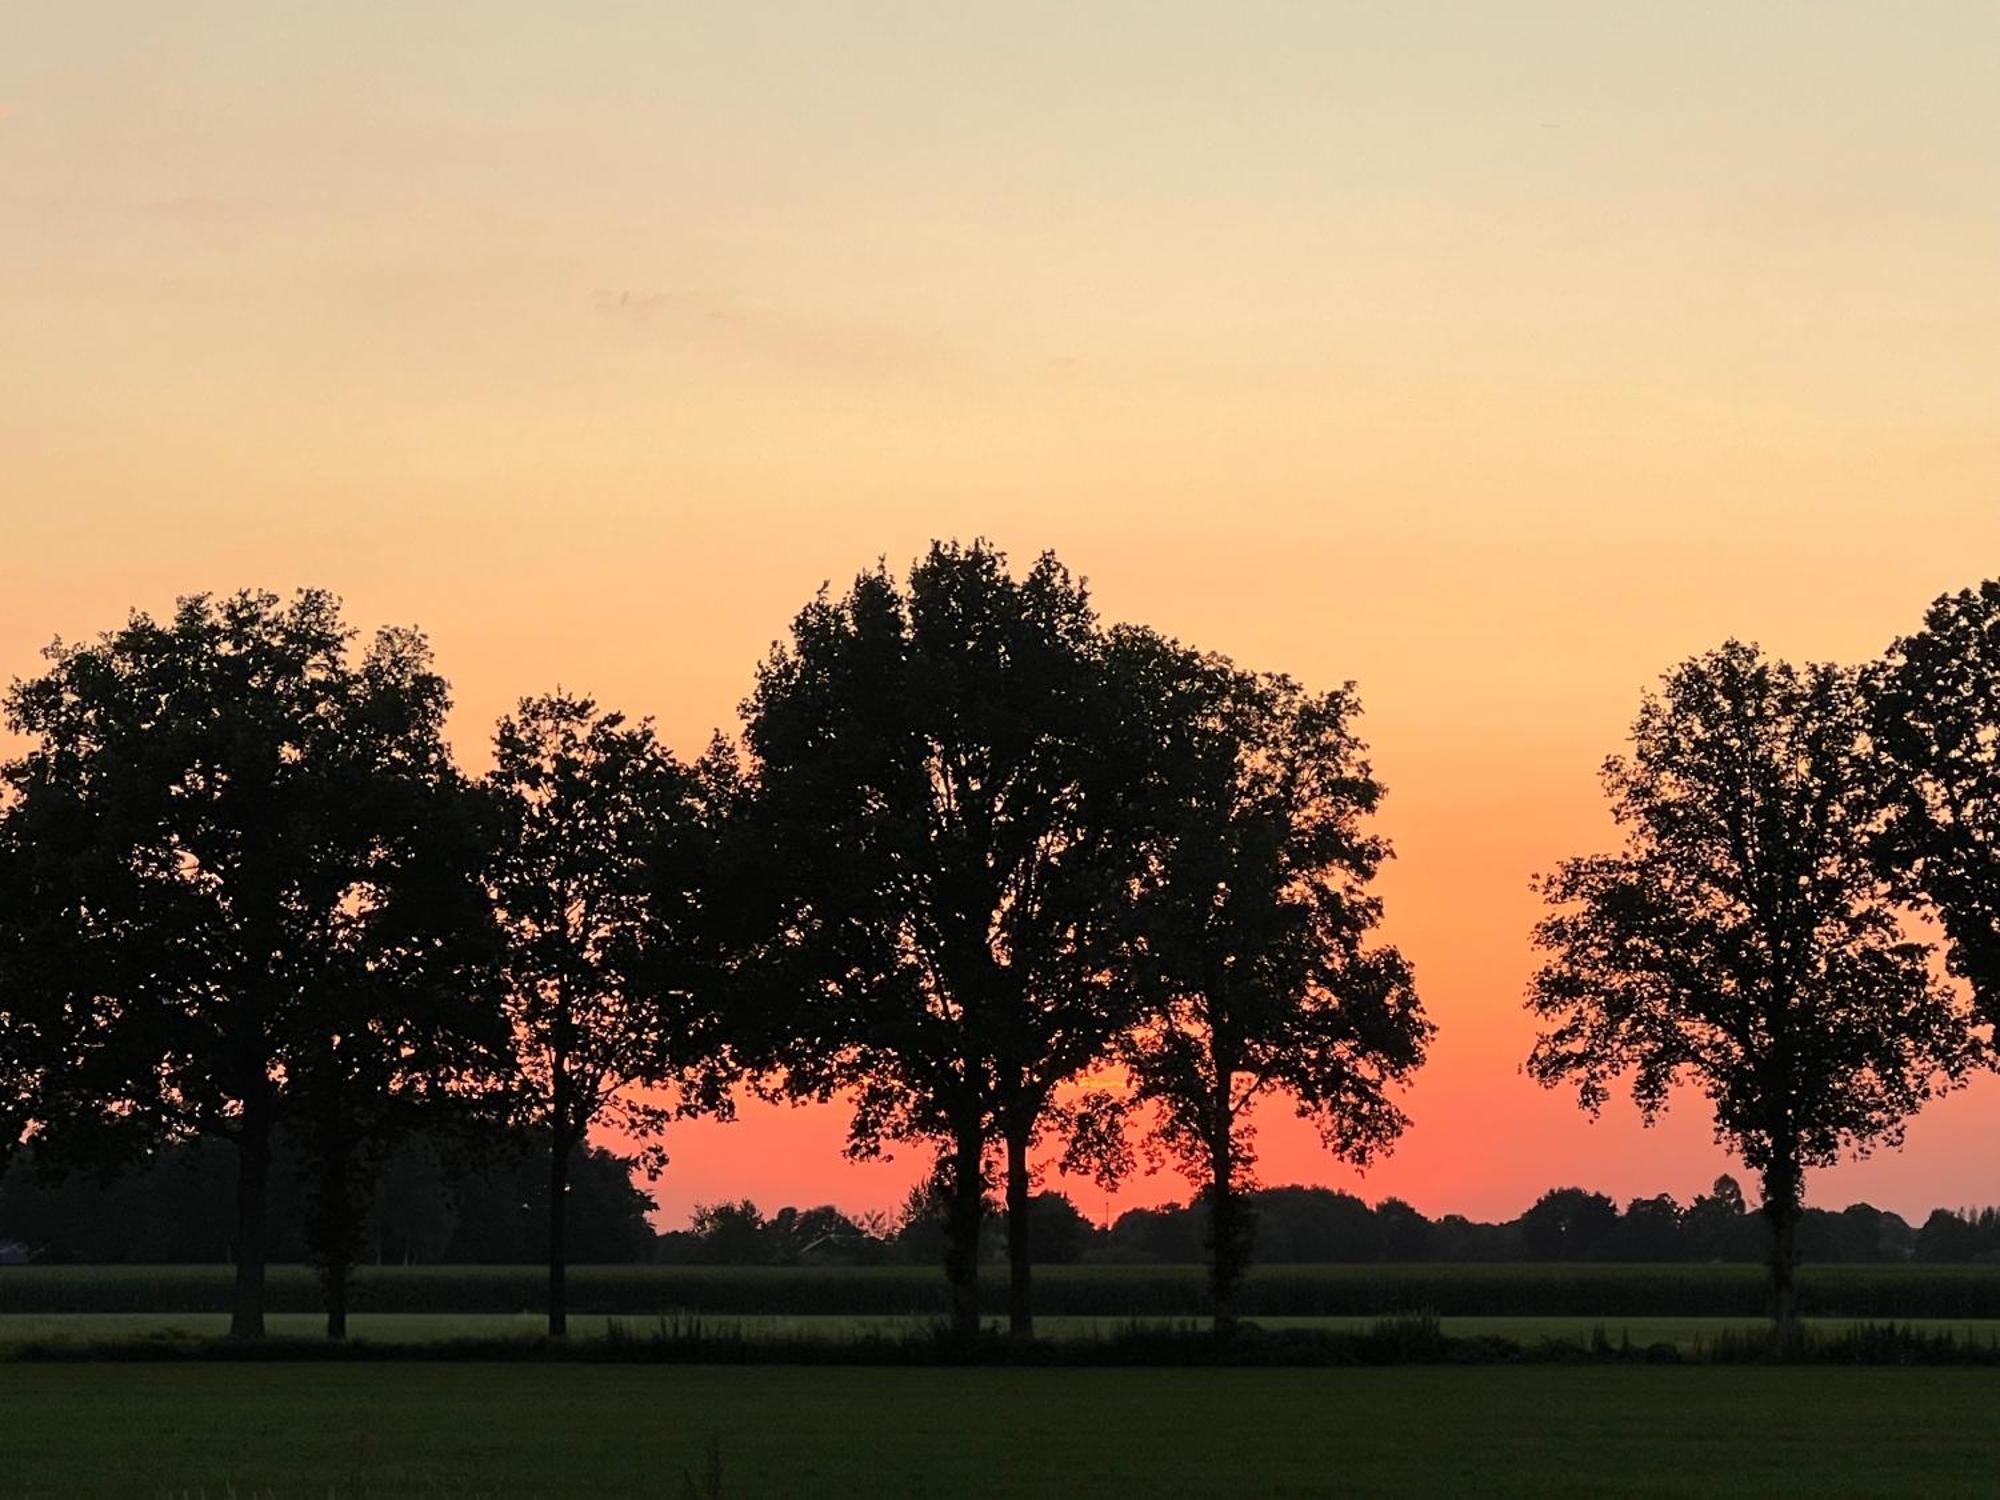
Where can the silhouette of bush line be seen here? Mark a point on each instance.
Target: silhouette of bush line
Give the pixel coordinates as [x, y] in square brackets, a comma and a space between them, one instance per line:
[1415, 1339]
[1523, 1290]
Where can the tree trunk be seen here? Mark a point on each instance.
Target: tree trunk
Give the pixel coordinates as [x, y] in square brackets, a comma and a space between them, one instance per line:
[1020, 1272]
[961, 1251]
[1782, 1208]
[253, 1179]
[1228, 1234]
[558, 1224]
[336, 1299]
[330, 1225]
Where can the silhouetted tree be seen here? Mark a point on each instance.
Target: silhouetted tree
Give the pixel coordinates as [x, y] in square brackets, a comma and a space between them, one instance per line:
[1936, 732]
[612, 971]
[1058, 1231]
[1460, 1239]
[1650, 1230]
[412, 1214]
[1308, 1225]
[795, 1235]
[1403, 1233]
[418, 1034]
[432, 1048]
[729, 1234]
[221, 807]
[1568, 1224]
[920, 1221]
[944, 788]
[476, 1194]
[1740, 941]
[1258, 940]
[1859, 1234]
[498, 1182]
[1718, 1226]
[174, 1204]
[1966, 1236]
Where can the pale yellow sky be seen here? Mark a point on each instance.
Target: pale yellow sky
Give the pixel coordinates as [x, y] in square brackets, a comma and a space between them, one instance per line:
[1492, 355]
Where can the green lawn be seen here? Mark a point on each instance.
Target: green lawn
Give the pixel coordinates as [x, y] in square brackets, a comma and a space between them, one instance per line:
[334, 1431]
[20, 1328]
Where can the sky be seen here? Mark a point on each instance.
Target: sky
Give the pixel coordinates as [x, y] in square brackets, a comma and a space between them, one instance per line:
[1493, 356]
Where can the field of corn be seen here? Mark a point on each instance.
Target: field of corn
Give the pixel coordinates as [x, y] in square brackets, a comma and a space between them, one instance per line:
[1563, 1291]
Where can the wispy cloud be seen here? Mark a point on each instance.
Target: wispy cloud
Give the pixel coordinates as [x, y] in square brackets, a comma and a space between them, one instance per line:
[719, 321]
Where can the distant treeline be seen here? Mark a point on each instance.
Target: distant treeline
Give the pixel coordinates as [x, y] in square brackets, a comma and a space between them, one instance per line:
[483, 1203]
[1314, 1225]
[479, 1200]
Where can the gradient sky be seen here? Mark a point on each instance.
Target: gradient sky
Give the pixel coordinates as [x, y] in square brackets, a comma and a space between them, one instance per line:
[1495, 356]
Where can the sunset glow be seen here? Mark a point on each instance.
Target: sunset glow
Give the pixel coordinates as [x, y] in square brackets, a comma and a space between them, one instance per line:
[1492, 357]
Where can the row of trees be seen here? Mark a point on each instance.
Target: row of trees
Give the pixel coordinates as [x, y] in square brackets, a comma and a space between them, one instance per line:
[974, 859]
[1789, 832]
[973, 853]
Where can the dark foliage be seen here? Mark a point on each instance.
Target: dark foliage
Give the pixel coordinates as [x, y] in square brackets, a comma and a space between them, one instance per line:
[1740, 941]
[1255, 934]
[945, 799]
[1404, 1339]
[480, 1199]
[236, 898]
[1935, 723]
[612, 961]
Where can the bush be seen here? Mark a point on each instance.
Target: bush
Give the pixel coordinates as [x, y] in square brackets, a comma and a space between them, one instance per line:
[1563, 1290]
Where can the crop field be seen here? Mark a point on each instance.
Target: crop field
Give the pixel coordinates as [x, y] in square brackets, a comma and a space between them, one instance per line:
[19, 1330]
[335, 1432]
[1566, 1291]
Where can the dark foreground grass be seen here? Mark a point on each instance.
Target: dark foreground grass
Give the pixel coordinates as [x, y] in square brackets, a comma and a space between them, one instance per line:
[330, 1432]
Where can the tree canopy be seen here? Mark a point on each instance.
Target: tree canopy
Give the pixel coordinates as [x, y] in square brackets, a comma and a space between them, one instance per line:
[1257, 932]
[1936, 731]
[945, 797]
[1740, 941]
[231, 820]
[612, 968]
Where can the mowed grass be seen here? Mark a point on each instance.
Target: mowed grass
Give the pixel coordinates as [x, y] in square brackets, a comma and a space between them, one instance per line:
[17, 1329]
[331, 1432]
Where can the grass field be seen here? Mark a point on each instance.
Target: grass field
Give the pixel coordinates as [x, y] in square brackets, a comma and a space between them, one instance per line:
[334, 1432]
[17, 1329]
[1560, 1291]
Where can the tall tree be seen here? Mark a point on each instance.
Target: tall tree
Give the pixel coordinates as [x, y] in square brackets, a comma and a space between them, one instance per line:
[1936, 731]
[943, 795]
[216, 805]
[612, 965]
[1741, 942]
[418, 1040]
[1258, 940]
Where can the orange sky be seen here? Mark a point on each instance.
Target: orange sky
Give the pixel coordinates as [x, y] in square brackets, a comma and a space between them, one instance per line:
[1495, 356]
